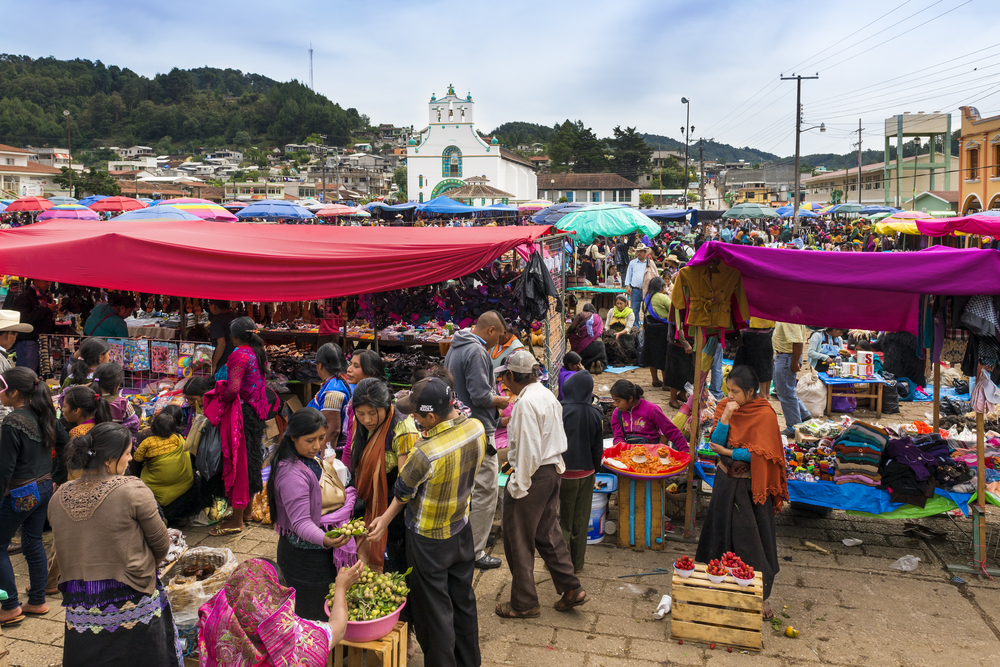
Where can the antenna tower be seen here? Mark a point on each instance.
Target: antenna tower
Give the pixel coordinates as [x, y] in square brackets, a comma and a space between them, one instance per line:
[311, 86]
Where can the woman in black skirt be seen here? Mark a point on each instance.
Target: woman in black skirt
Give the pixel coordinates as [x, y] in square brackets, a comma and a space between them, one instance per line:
[755, 351]
[750, 481]
[655, 329]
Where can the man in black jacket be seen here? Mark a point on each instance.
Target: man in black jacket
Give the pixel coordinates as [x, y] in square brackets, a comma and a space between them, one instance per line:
[37, 309]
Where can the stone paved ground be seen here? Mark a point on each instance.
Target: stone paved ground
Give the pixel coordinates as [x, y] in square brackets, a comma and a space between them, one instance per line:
[850, 607]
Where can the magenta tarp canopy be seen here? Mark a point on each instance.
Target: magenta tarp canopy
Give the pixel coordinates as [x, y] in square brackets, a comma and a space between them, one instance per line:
[247, 262]
[878, 291]
[985, 225]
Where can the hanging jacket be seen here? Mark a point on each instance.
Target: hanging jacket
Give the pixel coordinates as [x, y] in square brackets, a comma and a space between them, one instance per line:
[534, 289]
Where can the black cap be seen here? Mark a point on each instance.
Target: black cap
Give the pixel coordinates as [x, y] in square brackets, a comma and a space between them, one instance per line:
[429, 395]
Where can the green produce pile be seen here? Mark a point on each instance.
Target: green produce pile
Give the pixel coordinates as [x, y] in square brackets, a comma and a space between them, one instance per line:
[375, 595]
[353, 528]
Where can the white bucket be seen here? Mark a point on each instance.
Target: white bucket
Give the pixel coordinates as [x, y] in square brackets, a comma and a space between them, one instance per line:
[598, 511]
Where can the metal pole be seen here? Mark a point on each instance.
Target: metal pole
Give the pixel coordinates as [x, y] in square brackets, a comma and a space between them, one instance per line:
[859, 160]
[69, 147]
[798, 132]
[686, 134]
[701, 178]
[694, 435]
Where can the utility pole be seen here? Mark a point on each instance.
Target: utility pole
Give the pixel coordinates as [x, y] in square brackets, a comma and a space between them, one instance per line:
[798, 131]
[701, 178]
[69, 148]
[686, 131]
[323, 136]
[859, 161]
[311, 86]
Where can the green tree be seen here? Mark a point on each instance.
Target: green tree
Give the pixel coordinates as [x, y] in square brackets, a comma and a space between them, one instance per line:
[561, 150]
[242, 139]
[590, 153]
[632, 153]
[314, 139]
[645, 200]
[93, 182]
[399, 178]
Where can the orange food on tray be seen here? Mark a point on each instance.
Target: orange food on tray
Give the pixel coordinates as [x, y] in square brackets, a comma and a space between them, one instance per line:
[633, 459]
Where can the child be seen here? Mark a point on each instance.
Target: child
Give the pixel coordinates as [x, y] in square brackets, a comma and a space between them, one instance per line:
[83, 409]
[166, 465]
[108, 381]
[572, 363]
[637, 420]
[585, 447]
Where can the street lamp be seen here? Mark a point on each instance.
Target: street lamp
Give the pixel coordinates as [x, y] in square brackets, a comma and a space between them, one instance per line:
[686, 131]
[795, 195]
[69, 149]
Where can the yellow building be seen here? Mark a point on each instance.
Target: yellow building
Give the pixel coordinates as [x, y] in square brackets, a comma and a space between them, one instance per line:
[754, 193]
[979, 154]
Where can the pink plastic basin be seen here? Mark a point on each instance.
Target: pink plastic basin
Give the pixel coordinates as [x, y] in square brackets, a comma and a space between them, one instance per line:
[368, 631]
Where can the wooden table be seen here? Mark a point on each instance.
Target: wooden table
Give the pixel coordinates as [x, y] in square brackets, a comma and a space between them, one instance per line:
[871, 388]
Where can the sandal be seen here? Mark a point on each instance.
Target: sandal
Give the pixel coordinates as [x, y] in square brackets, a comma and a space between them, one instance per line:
[35, 613]
[215, 531]
[675, 405]
[657, 383]
[12, 621]
[504, 610]
[570, 599]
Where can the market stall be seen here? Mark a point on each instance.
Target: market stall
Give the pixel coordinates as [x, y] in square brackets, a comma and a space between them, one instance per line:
[872, 291]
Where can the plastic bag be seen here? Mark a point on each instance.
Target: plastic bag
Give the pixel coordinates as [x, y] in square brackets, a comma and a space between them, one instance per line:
[186, 598]
[812, 393]
[208, 460]
[907, 563]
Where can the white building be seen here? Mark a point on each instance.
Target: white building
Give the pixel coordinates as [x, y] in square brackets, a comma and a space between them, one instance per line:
[449, 150]
[21, 176]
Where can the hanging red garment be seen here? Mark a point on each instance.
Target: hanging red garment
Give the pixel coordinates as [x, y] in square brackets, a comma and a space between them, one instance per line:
[228, 417]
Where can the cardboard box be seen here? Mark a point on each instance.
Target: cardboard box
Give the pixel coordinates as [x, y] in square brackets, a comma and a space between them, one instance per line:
[866, 370]
[850, 369]
[865, 358]
[294, 403]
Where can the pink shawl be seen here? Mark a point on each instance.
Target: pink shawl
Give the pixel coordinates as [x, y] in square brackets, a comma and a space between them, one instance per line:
[228, 417]
[251, 622]
[346, 555]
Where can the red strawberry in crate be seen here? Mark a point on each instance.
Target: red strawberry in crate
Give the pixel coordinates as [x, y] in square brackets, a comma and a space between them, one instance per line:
[684, 563]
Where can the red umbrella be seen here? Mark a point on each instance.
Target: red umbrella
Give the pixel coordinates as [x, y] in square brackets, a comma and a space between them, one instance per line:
[29, 204]
[116, 204]
[336, 210]
[235, 204]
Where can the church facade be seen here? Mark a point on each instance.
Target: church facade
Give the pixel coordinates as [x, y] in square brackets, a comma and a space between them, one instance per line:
[449, 150]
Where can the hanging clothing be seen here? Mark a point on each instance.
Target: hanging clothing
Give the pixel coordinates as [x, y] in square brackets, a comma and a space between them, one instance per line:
[534, 290]
[711, 297]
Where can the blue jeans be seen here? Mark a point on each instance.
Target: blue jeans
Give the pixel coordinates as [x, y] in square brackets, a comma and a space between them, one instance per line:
[31, 524]
[27, 354]
[785, 383]
[635, 297]
[715, 386]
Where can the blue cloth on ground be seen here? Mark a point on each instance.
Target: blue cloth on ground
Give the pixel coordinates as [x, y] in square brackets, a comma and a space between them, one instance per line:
[620, 369]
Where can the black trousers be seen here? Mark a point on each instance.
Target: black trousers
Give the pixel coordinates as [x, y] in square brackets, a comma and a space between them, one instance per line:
[444, 604]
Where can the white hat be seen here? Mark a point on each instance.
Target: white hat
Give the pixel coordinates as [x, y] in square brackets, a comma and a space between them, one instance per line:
[519, 361]
[10, 320]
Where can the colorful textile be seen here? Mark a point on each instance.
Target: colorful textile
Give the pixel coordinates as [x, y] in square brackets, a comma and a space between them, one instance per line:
[587, 331]
[372, 484]
[108, 622]
[858, 453]
[755, 427]
[251, 622]
[167, 470]
[711, 297]
[228, 417]
[436, 481]
[246, 381]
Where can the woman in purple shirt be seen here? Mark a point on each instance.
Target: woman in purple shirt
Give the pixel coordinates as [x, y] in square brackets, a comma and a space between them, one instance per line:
[305, 555]
[635, 417]
[584, 334]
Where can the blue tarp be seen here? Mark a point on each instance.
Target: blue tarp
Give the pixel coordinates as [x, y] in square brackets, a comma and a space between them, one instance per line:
[501, 207]
[409, 206]
[876, 379]
[668, 214]
[446, 205]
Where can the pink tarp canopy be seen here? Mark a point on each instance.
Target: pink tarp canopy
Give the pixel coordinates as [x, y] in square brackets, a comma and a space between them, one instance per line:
[862, 290]
[985, 225]
[246, 262]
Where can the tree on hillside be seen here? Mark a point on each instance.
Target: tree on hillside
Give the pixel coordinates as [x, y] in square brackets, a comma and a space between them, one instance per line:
[242, 139]
[590, 153]
[632, 153]
[399, 178]
[562, 147]
[93, 182]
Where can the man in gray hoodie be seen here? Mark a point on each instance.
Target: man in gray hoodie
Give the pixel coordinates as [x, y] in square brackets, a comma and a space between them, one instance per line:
[468, 361]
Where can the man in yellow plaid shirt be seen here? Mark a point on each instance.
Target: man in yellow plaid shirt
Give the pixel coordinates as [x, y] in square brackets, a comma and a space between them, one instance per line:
[435, 486]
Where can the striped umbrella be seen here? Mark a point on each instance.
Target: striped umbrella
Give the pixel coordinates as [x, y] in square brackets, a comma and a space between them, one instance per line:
[116, 205]
[69, 212]
[184, 200]
[339, 210]
[534, 205]
[206, 211]
[234, 205]
[157, 213]
[29, 204]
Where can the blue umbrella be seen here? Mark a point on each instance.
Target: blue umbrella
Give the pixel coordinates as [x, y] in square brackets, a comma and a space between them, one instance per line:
[873, 209]
[87, 201]
[275, 209]
[63, 200]
[3, 207]
[157, 213]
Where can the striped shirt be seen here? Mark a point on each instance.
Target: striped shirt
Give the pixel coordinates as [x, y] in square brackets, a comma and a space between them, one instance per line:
[436, 481]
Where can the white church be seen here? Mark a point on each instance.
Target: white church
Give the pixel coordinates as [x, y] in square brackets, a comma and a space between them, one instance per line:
[448, 151]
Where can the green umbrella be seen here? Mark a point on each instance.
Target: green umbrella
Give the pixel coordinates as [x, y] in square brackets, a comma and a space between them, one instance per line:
[606, 220]
[849, 208]
[879, 216]
[749, 210]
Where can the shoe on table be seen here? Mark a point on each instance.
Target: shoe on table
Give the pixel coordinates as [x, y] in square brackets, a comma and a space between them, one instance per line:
[488, 562]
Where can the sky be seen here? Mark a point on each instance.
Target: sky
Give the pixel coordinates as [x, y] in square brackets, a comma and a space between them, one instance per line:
[626, 63]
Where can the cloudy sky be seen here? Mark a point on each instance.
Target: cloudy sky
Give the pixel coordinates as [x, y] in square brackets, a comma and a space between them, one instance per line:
[626, 62]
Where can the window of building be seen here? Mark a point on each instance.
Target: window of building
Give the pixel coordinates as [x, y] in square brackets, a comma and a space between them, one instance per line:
[420, 181]
[9, 161]
[421, 197]
[595, 196]
[996, 161]
[624, 195]
[569, 195]
[974, 164]
[451, 162]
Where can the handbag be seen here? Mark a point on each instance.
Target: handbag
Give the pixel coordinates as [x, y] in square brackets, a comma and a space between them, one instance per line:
[25, 498]
[208, 460]
[331, 488]
[630, 439]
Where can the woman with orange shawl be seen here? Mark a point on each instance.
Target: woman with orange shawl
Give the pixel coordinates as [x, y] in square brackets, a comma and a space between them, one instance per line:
[382, 439]
[750, 483]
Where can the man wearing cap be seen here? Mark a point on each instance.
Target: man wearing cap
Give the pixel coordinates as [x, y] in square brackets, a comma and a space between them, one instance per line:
[536, 441]
[435, 485]
[10, 326]
[633, 277]
[468, 360]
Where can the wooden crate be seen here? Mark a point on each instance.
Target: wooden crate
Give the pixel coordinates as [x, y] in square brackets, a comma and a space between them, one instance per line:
[390, 651]
[639, 503]
[724, 614]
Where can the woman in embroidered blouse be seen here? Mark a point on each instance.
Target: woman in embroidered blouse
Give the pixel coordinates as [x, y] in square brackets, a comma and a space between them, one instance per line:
[27, 437]
[584, 334]
[305, 555]
[110, 537]
[244, 385]
[750, 483]
[383, 439]
[364, 364]
[334, 395]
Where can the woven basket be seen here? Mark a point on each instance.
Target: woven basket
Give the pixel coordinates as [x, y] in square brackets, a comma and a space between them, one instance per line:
[186, 598]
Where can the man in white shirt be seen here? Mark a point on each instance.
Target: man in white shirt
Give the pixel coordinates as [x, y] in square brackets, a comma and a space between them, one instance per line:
[633, 278]
[536, 440]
